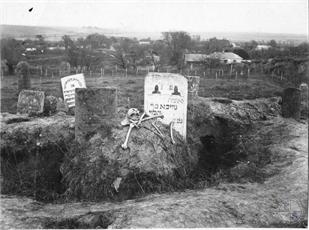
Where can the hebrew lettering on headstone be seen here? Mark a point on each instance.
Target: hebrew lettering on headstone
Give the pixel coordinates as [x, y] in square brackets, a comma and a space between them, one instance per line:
[30, 102]
[167, 94]
[69, 84]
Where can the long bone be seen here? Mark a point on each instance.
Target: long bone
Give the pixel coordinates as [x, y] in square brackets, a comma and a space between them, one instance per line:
[125, 144]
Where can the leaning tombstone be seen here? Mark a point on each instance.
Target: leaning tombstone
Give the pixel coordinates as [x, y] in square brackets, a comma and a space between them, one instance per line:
[291, 103]
[193, 86]
[22, 71]
[167, 94]
[69, 84]
[30, 102]
[95, 109]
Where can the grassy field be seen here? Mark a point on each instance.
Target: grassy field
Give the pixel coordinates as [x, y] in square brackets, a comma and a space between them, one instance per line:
[131, 89]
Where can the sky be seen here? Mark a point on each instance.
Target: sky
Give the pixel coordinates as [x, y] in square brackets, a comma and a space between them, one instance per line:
[262, 16]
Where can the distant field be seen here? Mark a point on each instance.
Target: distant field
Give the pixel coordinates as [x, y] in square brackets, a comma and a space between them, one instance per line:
[131, 89]
[55, 33]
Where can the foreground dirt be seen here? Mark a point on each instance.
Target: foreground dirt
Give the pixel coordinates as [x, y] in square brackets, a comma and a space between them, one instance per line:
[280, 201]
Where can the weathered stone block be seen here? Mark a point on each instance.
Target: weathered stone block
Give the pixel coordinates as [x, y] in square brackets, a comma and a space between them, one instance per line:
[291, 103]
[94, 109]
[22, 71]
[30, 102]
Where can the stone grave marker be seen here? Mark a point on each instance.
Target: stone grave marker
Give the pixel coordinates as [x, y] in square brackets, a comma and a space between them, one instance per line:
[167, 94]
[69, 84]
[291, 103]
[193, 86]
[22, 71]
[95, 109]
[30, 102]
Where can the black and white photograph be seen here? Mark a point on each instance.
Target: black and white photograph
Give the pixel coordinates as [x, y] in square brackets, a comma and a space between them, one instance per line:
[154, 114]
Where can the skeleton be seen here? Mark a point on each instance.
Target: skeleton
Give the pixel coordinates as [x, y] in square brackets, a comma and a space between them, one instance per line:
[134, 119]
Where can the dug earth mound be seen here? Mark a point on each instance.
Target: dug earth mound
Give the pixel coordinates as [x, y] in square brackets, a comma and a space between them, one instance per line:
[257, 159]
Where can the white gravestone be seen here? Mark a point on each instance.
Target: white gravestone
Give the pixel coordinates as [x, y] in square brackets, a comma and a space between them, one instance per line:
[167, 94]
[69, 84]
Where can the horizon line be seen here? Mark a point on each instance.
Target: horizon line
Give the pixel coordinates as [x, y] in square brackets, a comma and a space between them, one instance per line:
[156, 31]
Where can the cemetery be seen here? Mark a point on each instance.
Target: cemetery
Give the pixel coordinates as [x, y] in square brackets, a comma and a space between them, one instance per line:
[89, 153]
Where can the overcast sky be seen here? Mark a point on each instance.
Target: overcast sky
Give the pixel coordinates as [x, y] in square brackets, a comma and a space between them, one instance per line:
[272, 16]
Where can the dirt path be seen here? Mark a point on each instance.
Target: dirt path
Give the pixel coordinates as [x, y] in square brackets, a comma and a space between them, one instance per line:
[281, 201]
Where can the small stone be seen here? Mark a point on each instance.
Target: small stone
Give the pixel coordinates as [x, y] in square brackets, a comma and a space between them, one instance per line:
[30, 102]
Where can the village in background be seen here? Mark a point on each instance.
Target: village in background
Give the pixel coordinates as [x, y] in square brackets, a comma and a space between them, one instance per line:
[57, 53]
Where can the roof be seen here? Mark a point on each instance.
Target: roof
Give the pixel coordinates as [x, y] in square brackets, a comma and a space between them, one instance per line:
[215, 55]
[225, 56]
[195, 57]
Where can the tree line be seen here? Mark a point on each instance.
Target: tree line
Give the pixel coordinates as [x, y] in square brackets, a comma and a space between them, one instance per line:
[96, 50]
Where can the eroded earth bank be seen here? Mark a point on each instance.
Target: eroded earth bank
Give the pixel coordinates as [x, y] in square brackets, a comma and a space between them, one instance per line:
[244, 165]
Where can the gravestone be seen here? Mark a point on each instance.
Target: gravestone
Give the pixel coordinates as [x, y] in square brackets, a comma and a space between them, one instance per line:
[30, 102]
[22, 71]
[94, 111]
[167, 94]
[291, 103]
[193, 86]
[69, 84]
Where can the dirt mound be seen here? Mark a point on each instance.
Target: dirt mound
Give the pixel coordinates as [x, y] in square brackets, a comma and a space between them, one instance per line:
[32, 150]
[266, 168]
[103, 169]
[280, 201]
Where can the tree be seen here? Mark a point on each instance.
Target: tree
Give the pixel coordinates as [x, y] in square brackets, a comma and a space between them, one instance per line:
[98, 41]
[215, 45]
[177, 43]
[68, 42]
[242, 53]
[273, 43]
[11, 51]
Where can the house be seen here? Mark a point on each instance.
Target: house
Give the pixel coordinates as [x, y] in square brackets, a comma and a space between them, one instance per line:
[195, 58]
[31, 49]
[226, 57]
[144, 41]
[263, 47]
